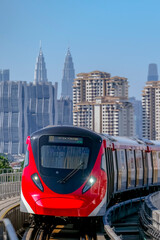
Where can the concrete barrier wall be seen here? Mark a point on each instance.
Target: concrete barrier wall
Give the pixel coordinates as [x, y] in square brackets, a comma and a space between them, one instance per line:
[152, 208]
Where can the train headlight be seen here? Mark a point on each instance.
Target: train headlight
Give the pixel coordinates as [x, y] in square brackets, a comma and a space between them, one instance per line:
[89, 184]
[37, 181]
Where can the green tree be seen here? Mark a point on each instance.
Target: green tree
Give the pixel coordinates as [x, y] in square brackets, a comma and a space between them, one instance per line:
[4, 163]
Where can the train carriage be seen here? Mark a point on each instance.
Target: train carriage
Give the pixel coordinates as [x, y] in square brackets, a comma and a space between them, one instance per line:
[75, 172]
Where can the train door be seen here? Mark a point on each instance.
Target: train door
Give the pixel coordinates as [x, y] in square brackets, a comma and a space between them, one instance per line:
[149, 165]
[155, 166]
[131, 168]
[139, 168]
[122, 172]
[110, 173]
[115, 171]
[158, 164]
[145, 168]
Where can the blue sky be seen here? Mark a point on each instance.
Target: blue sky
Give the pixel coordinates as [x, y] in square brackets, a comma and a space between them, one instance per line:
[117, 36]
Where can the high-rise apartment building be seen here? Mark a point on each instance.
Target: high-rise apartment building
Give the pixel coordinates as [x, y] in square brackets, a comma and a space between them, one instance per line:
[40, 74]
[4, 75]
[24, 108]
[68, 77]
[87, 86]
[101, 103]
[152, 72]
[105, 115]
[151, 104]
[117, 87]
[151, 110]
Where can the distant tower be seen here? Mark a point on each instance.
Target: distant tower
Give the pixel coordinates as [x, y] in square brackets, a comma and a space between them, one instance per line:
[4, 75]
[152, 72]
[68, 76]
[40, 74]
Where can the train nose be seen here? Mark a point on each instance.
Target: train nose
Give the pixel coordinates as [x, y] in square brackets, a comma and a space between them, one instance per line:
[51, 206]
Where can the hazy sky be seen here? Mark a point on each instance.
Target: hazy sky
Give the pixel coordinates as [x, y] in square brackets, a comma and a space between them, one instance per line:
[117, 36]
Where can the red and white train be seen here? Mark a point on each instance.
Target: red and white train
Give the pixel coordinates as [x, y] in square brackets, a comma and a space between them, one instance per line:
[74, 172]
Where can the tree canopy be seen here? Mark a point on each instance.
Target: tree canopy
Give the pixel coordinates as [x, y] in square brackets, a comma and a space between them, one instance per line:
[4, 163]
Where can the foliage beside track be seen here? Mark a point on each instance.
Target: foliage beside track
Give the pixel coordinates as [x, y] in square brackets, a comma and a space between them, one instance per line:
[4, 163]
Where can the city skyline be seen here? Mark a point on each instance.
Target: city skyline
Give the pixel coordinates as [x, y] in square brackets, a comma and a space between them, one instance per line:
[119, 37]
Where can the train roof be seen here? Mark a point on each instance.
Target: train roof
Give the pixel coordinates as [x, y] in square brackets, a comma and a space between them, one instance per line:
[131, 142]
[65, 130]
[125, 142]
[117, 141]
[156, 142]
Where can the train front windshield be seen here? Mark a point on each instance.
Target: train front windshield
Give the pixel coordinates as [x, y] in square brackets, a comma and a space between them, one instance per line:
[62, 154]
[64, 157]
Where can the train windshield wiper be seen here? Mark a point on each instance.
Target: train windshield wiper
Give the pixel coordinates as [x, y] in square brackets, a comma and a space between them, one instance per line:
[66, 178]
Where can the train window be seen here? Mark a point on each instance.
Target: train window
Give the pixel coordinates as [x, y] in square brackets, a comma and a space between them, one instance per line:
[26, 160]
[103, 162]
[64, 157]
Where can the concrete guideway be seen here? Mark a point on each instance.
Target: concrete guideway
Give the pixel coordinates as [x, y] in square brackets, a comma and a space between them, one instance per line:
[118, 212]
[7, 204]
[150, 215]
[10, 186]
[6, 227]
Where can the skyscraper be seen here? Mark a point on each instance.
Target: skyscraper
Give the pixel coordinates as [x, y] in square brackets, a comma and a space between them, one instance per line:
[137, 106]
[68, 77]
[152, 72]
[65, 111]
[24, 108]
[40, 74]
[4, 75]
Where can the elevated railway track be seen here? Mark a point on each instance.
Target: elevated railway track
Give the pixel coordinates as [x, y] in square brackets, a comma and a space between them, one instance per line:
[64, 231]
[121, 220]
[123, 223]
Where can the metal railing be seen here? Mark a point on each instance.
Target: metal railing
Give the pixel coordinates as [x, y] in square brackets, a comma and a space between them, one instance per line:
[7, 231]
[9, 170]
[10, 183]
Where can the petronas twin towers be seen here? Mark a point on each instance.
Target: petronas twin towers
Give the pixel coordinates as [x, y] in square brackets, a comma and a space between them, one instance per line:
[40, 74]
[68, 77]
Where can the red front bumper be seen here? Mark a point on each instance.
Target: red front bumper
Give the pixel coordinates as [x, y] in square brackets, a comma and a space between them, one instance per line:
[63, 207]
